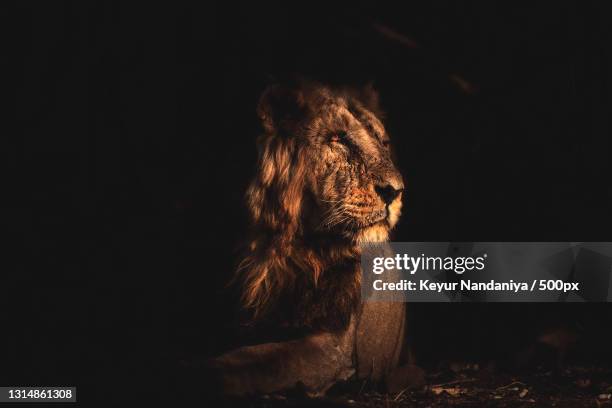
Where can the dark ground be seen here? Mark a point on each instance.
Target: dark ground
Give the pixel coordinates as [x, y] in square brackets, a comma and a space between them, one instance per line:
[474, 387]
[123, 206]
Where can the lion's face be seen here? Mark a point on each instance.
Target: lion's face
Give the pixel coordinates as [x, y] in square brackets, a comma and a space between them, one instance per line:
[325, 160]
[355, 185]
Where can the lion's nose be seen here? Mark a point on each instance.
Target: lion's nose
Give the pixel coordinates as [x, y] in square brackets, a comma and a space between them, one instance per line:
[388, 192]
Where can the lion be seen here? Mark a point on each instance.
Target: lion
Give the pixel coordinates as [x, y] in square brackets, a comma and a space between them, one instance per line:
[325, 184]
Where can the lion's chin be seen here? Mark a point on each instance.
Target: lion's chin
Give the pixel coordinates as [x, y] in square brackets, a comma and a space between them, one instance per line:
[378, 232]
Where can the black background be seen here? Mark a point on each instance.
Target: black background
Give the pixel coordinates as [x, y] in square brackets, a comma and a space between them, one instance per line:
[137, 139]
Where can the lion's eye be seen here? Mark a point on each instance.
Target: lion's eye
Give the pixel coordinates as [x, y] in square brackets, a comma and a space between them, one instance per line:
[337, 137]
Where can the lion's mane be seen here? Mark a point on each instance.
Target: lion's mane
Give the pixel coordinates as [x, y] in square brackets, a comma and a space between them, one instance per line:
[285, 276]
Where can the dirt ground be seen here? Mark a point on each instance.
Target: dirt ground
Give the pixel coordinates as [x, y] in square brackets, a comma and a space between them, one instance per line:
[468, 385]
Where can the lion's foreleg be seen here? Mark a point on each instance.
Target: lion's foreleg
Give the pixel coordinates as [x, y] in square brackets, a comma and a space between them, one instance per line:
[316, 362]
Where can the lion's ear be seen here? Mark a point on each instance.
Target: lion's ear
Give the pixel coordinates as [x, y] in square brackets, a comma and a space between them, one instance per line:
[369, 96]
[281, 108]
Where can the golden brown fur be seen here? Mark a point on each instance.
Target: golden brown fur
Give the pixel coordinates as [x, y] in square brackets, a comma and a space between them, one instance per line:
[325, 183]
[298, 235]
